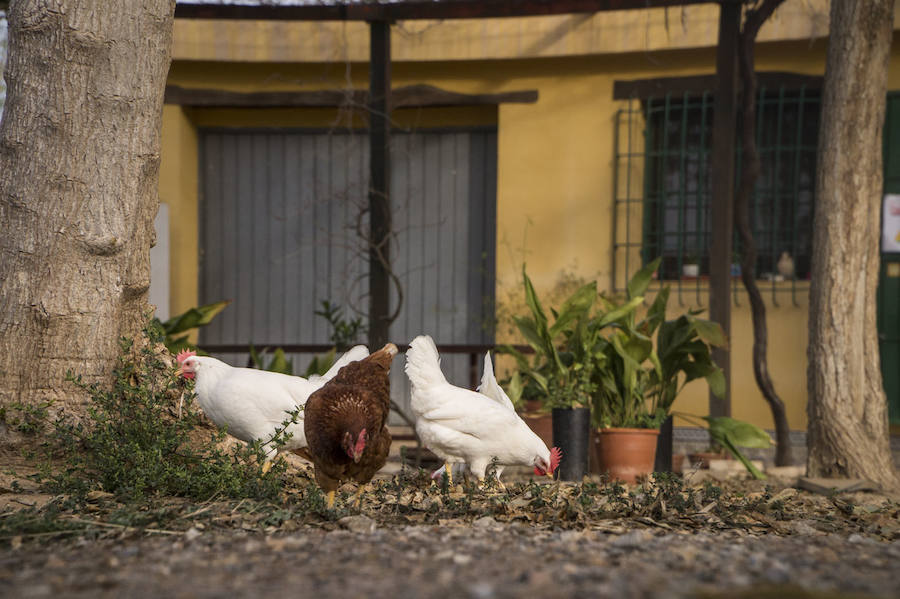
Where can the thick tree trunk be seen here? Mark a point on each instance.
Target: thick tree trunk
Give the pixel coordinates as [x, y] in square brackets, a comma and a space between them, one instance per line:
[79, 163]
[754, 19]
[848, 426]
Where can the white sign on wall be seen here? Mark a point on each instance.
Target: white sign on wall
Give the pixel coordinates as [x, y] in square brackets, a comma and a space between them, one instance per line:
[890, 228]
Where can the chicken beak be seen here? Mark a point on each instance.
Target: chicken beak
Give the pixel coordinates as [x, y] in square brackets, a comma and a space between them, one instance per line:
[550, 475]
[180, 371]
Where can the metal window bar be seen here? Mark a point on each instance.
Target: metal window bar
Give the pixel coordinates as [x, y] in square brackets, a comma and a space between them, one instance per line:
[675, 203]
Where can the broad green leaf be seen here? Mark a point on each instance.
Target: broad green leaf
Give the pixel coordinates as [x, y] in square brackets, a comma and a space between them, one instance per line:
[656, 314]
[576, 306]
[620, 312]
[716, 382]
[540, 379]
[255, 358]
[641, 279]
[514, 388]
[742, 434]
[280, 363]
[624, 352]
[529, 330]
[534, 304]
[193, 318]
[727, 444]
[711, 332]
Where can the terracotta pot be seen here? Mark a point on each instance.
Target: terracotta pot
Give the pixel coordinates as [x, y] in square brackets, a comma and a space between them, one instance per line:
[539, 422]
[627, 453]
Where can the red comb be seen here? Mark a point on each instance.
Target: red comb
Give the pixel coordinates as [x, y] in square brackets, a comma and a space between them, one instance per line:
[555, 457]
[184, 355]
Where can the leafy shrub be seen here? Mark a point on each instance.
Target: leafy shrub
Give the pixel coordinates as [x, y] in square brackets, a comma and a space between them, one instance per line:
[134, 443]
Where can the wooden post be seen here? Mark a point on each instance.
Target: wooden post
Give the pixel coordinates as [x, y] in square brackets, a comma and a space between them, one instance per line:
[379, 181]
[722, 200]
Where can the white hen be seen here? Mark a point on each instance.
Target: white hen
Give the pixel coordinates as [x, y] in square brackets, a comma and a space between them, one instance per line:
[251, 403]
[466, 426]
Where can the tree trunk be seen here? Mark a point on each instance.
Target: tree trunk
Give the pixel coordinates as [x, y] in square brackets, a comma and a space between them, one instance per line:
[848, 423]
[79, 157]
[753, 21]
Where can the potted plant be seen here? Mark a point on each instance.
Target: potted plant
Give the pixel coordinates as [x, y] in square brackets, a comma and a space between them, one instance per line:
[561, 371]
[637, 381]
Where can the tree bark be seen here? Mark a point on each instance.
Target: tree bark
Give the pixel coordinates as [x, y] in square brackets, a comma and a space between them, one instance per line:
[751, 167]
[848, 421]
[79, 158]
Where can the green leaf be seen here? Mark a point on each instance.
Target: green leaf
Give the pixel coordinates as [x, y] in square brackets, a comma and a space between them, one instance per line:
[280, 363]
[620, 312]
[534, 304]
[514, 388]
[656, 314]
[529, 330]
[711, 332]
[193, 318]
[641, 279]
[727, 444]
[574, 308]
[539, 379]
[742, 434]
[716, 382]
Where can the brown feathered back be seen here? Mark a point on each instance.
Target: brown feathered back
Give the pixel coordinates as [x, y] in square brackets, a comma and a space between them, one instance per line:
[357, 398]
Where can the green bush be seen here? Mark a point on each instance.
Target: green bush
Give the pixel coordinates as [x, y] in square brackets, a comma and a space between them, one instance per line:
[136, 442]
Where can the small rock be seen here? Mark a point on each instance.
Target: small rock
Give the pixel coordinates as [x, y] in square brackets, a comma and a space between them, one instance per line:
[461, 559]
[482, 590]
[632, 540]
[803, 527]
[784, 494]
[362, 524]
[192, 533]
[484, 522]
[789, 472]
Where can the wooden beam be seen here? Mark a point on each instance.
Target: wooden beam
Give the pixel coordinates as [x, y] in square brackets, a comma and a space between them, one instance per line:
[722, 187]
[697, 84]
[379, 182]
[413, 9]
[410, 96]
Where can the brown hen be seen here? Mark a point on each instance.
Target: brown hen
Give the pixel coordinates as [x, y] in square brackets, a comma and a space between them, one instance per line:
[346, 422]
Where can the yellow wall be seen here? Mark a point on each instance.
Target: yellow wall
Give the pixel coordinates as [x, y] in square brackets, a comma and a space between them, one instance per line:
[555, 157]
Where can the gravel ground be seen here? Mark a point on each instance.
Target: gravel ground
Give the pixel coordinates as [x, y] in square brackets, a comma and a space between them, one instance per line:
[482, 560]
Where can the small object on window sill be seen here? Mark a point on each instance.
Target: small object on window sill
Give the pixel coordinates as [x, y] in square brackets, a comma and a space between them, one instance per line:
[785, 265]
[690, 270]
[778, 278]
[735, 269]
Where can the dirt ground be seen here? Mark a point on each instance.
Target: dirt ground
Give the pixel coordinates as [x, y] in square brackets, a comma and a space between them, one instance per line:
[483, 560]
[412, 539]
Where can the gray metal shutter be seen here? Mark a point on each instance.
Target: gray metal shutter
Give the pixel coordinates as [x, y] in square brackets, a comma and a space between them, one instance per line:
[278, 213]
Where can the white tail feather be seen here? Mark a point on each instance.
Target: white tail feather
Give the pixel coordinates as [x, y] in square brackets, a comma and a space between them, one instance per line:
[491, 388]
[423, 364]
[354, 354]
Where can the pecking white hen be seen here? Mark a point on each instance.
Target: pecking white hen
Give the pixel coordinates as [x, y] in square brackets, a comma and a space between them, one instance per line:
[471, 427]
[251, 403]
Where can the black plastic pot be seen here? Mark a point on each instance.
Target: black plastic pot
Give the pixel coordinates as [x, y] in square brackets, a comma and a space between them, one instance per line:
[572, 433]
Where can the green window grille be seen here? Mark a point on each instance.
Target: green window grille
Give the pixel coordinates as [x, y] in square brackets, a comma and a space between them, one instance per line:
[662, 185]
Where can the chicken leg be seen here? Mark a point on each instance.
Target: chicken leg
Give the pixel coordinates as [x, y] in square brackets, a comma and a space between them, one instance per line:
[329, 499]
[448, 468]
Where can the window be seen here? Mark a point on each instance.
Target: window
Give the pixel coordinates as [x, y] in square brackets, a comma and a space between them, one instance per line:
[671, 139]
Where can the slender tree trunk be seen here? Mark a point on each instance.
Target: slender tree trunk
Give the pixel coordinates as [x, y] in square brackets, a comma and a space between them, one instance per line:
[79, 163]
[751, 167]
[848, 422]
